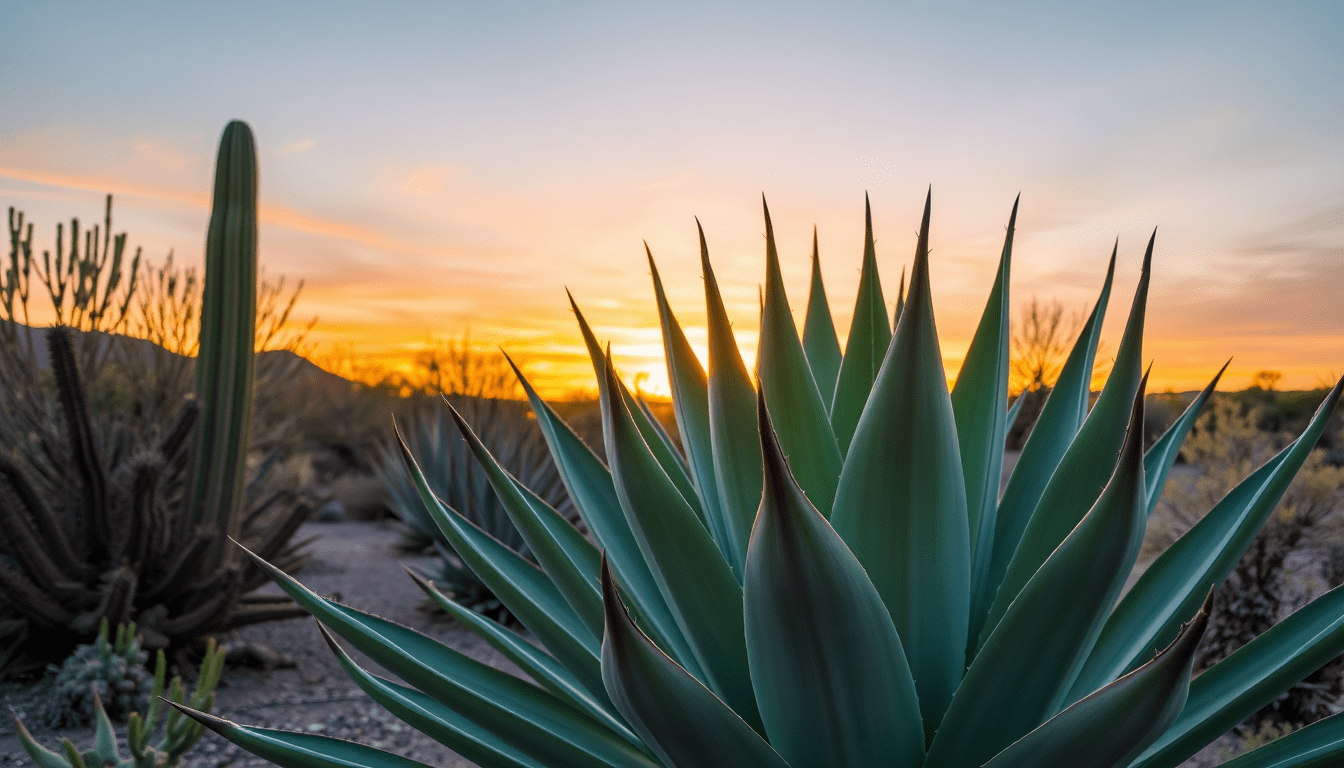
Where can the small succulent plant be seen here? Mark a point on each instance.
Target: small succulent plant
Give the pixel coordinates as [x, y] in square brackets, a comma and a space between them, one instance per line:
[113, 671]
[180, 732]
[826, 576]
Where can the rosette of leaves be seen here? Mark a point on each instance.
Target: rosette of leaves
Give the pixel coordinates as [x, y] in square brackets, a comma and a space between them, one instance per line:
[459, 482]
[826, 576]
[113, 671]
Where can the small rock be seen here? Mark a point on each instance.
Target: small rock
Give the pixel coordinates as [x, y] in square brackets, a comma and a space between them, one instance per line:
[333, 511]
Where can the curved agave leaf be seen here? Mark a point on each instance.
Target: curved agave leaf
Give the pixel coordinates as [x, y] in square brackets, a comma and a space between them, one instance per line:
[901, 503]
[684, 723]
[528, 717]
[589, 483]
[982, 426]
[869, 337]
[430, 717]
[673, 465]
[696, 582]
[1077, 481]
[830, 675]
[802, 421]
[732, 422]
[568, 559]
[519, 584]
[1052, 624]
[535, 663]
[820, 343]
[1239, 685]
[1319, 745]
[1110, 727]
[1201, 558]
[1162, 455]
[1058, 424]
[300, 750]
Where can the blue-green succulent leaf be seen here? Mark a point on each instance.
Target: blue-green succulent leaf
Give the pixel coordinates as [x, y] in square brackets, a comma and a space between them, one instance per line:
[1077, 481]
[732, 424]
[535, 662]
[869, 337]
[589, 483]
[694, 578]
[430, 717]
[303, 750]
[1159, 459]
[528, 717]
[820, 343]
[1198, 560]
[801, 418]
[982, 426]
[1061, 416]
[1111, 727]
[568, 559]
[829, 671]
[1052, 625]
[672, 463]
[901, 503]
[1319, 745]
[681, 720]
[1252, 676]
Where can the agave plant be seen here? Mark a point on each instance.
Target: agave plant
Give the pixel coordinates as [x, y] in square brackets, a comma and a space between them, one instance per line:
[454, 476]
[829, 577]
[103, 528]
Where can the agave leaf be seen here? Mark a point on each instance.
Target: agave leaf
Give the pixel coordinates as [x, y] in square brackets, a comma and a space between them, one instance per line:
[428, 716]
[564, 554]
[1053, 623]
[589, 483]
[517, 711]
[828, 667]
[40, 755]
[1063, 413]
[1157, 462]
[732, 423]
[1201, 558]
[684, 723]
[664, 437]
[900, 301]
[300, 750]
[1077, 481]
[1319, 745]
[536, 663]
[696, 582]
[901, 503]
[1110, 727]
[1013, 410]
[1248, 679]
[869, 337]
[801, 418]
[820, 344]
[671, 462]
[519, 584]
[982, 425]
[690, 401]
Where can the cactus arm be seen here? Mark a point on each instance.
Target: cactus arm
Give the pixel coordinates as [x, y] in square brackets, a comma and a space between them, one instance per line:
[56, 542]
[92, 479]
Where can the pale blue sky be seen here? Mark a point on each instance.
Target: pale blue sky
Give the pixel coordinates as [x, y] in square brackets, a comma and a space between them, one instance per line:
[429, 166]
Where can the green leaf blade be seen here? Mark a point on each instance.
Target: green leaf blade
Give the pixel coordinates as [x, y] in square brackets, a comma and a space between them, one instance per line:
[901, 503]
[869, 337]
[820, 343]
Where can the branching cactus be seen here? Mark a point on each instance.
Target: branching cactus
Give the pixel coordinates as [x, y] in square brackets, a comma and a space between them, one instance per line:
[180, 732]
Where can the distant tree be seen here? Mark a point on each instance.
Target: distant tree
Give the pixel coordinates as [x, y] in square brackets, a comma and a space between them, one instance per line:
[1266, 380]
[1039, 344]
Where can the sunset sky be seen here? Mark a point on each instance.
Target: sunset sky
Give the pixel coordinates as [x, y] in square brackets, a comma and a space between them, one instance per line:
[434, 169]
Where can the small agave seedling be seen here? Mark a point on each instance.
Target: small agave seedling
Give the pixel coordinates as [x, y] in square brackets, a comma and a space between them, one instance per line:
[828, 576]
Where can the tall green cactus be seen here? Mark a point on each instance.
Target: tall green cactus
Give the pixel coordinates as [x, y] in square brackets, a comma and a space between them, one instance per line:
[224, 368]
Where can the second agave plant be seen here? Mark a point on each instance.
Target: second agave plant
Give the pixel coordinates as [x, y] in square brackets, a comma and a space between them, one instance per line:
[822, 572]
